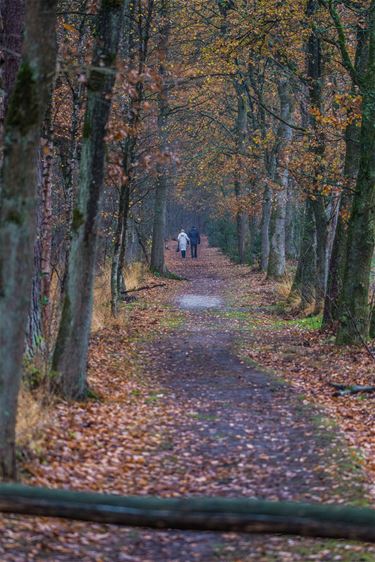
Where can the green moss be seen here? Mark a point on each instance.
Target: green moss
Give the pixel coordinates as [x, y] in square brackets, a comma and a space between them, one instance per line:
[14, 217]
[86, 129]
[23, 110]
[78, 219]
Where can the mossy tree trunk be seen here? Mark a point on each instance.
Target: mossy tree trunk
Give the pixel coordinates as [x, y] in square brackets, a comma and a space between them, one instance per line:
[352, 155]
[27, 105]
[70, 356]
[354, 316]
[338, 256]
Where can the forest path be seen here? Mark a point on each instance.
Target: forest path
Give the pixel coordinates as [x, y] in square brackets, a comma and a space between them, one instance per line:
[181, 413]
[249, 433]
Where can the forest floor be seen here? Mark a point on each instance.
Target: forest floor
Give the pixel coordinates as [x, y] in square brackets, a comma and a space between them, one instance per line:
[188, 405]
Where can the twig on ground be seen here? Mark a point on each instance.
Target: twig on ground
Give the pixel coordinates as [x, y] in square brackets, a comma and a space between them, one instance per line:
[144, 288]
[345, 389]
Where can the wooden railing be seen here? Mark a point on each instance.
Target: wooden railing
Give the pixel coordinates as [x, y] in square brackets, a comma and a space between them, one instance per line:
[195, 513]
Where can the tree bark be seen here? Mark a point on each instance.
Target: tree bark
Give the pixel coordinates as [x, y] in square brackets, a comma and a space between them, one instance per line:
[242, 216]
[308, 258]
[13, 19]
[25, 114]
[276, 260]
[338, 256]
[161, 193]
[265, 227]
[354, 318]
[203, 514]
[129, 148]
[352, 156]
[70, 356]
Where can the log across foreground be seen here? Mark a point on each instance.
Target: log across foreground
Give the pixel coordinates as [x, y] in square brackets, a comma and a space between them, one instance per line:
[195, 513]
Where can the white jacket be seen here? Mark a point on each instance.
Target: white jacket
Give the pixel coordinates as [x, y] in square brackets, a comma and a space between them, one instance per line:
[183, 240]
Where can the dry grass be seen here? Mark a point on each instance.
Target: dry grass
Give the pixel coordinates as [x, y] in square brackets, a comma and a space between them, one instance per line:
[101, 317]
[284, 287]
[135, 274]
[34, 414]
[35, 408]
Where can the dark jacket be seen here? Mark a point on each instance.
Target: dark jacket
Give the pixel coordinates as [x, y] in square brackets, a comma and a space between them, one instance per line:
[194, 236]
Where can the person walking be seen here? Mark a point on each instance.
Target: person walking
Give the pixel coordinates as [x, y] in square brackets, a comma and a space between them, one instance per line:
[195, 239]
[183, 241]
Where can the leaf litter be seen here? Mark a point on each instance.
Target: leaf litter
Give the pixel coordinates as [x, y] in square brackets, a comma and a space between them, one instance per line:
[182, 411]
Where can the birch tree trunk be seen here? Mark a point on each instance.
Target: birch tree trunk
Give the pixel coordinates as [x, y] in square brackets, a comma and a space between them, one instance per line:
[70, 356]
[24, 118]
[276, 261]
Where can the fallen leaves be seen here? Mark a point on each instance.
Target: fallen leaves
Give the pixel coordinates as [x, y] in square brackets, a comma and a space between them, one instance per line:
[179, 413]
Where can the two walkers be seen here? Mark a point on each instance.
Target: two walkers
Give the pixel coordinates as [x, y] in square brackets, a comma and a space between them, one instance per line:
[193, 238]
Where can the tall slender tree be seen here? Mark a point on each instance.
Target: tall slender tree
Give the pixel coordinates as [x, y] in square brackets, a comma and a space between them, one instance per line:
[70, 356]
[27, 106]
[161, 192]
[354, 321]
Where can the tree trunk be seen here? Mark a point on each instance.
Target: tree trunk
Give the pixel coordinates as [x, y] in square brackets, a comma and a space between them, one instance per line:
[193, 513]
[315, 76]
[292, 218]
[354, 308]
[321, 225]
[119, 244]
[161, 193]
[24, 118]
[70, 356]
[242, 216]
[308, 258]
[352, 155]
[129, 148]
[46, 228]
[313, 267]
[34, 326]
[13, 18]
[276, 260]
[372, 322]
[265, 227]
[338, 256]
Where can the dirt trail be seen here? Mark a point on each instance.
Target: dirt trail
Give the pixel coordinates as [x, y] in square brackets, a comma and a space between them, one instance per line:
[239, 432]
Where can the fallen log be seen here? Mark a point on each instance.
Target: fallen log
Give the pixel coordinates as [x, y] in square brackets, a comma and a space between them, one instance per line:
[345, 390]
[197, 513]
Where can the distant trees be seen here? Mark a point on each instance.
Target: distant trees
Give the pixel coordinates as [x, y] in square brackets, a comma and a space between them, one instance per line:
[255, 119]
